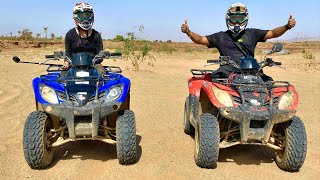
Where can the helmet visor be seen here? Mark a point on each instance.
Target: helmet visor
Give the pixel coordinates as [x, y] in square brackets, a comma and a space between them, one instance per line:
[237, 18]
[84, 16]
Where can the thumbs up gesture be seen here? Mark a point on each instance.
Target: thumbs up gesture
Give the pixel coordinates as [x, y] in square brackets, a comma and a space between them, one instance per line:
[185, 27]
[291, 22]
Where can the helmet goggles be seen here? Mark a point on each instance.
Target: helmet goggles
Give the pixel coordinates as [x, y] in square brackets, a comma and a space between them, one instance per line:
[237, 18]
[84, 16]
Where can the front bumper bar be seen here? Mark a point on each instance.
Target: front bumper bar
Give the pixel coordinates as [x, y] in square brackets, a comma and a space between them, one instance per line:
[96, 109]
[244, 117]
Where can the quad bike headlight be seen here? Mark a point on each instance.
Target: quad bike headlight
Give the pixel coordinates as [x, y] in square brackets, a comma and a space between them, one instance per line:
[222, 96]
[113, 94]
[49, 94]
[286, 100]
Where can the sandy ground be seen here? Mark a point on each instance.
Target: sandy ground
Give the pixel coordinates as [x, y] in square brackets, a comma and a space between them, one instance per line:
[157, 98]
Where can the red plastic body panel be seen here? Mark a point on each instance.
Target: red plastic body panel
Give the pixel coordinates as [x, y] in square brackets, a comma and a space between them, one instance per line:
[197, 84]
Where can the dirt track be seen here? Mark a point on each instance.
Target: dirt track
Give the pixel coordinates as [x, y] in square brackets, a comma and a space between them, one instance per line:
[157, 98]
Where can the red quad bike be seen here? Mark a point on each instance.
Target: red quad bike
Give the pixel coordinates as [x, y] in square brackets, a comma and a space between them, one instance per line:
[243, 109]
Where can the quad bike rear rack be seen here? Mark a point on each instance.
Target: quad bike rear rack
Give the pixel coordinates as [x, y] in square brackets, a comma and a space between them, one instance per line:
[199, 72]
[269, 84]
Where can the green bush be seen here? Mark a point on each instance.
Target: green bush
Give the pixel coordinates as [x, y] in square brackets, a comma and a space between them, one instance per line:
[137, 50]
[118, 38]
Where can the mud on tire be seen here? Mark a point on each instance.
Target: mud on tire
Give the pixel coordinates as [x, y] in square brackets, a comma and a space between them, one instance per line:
[188, 128]
[36, 152]
[126, 138]
[207, 138]
[294, 154]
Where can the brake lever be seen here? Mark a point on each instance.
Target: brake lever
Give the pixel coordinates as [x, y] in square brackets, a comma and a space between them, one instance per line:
[44, 61]
[280, 67]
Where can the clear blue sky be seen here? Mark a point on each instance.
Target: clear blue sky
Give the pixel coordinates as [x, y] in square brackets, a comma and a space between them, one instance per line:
[162, 19]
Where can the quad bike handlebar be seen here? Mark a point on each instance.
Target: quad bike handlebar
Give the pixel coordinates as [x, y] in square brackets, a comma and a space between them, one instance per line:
[62, 55]
[227, 60]
[269, 62]
[99, 56]
[16, 59]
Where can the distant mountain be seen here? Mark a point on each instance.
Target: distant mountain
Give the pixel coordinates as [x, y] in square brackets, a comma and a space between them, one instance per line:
[303, 39]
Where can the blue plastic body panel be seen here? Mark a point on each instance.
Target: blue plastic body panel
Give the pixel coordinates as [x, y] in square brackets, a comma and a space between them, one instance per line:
[51, 80]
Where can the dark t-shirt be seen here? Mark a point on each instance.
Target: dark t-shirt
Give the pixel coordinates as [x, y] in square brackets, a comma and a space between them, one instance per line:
[223, 42]
[75, 44]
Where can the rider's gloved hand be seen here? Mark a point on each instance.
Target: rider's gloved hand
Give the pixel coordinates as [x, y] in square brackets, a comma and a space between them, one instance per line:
[291, 22]
[98, 60]
[65, 66]
[269, 62]
[185, 27]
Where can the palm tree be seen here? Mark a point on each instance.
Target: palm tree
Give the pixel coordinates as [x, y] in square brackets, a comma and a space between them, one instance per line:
[19, 32]
[46, 31]
[10, 34]
[38, 35]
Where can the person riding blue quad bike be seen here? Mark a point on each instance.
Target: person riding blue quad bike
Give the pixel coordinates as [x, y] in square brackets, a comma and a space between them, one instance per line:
[83, 38]
[80, 100]
[81, 105]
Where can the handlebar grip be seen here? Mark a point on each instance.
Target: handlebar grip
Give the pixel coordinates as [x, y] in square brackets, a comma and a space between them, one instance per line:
[277, 63]
[49, 56]
[213, 61]
[116, 54]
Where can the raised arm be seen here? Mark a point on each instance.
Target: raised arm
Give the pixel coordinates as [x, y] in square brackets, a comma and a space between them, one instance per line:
[196, 38]
[279, 31]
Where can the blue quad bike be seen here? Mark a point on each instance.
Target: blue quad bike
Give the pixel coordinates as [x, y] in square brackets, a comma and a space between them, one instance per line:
[79, 104]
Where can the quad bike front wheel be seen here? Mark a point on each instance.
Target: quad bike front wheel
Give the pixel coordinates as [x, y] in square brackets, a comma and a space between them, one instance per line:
[294, 144]
[37, 139]
[207, 138]
[188, 128]
[126, 138]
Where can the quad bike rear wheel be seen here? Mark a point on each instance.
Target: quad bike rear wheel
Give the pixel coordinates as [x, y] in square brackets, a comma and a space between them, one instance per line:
[207, 138]
[126, 138]
[188, 128]
[294, 145]
[37, 139]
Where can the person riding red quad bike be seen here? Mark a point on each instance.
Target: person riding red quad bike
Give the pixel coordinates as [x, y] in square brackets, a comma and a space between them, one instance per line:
[244, 109]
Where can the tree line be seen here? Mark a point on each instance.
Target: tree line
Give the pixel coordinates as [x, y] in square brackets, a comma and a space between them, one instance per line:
[28, 35]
